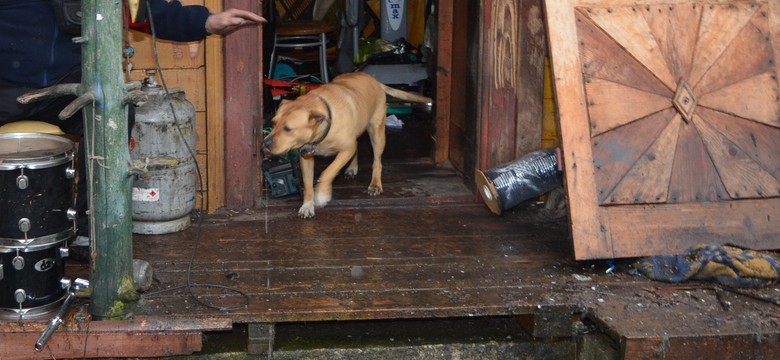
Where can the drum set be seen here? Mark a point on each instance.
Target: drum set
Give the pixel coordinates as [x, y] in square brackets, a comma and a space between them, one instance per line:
[37, 217]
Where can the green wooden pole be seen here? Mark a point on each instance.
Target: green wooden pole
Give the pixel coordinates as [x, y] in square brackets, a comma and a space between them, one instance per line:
[107, 159]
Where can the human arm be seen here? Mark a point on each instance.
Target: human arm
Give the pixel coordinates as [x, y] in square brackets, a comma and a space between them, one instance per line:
[174, 21]
[231, 19]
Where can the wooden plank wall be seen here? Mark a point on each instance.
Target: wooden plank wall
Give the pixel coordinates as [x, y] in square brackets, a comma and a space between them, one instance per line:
[243, 110]
[215, 103]
[511, 80]
[550, 118]
[444, 80]
[452, 123]
[183, 65]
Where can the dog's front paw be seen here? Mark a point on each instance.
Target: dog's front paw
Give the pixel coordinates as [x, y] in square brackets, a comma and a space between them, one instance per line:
[321, 198]
[374, 190]
[350, 173]
[307, 210]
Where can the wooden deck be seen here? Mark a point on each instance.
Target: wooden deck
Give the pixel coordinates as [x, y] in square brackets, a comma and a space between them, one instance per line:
[426, 249]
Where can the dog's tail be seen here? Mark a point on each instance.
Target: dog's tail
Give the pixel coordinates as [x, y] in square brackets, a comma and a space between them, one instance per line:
[403, 95]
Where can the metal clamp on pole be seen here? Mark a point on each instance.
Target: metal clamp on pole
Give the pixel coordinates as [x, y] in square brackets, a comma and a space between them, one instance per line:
[55, 322]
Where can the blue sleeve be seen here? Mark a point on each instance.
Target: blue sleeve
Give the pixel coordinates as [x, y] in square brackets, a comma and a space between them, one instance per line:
[175, 22]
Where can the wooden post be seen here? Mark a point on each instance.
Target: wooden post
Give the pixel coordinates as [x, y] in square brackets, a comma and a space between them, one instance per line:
[243, 71]
[108, 159]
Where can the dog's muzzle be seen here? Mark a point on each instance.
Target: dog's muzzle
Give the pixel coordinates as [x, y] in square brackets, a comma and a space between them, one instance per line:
[267, 143]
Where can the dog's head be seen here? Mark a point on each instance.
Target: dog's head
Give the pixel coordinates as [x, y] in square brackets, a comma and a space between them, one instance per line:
[294, 125]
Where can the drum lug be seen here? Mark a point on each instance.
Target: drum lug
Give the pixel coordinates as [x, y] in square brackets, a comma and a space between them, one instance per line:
[22, 182]
[64, 252]
[20, 295]
[80, 283]
[1, 272]
[70, 173]
[71, 214]
[18, 262]
[24, 225]
[75, 285]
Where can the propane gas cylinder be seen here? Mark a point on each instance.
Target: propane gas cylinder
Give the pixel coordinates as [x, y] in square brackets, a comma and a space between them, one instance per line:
[162, 143]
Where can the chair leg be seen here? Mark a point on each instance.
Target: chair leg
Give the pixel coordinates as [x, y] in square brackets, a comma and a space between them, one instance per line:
[324, 58]
[272, 63]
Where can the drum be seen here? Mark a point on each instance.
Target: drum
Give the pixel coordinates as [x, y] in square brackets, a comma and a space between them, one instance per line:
[31, 279]
[36, 188]
[36, 217]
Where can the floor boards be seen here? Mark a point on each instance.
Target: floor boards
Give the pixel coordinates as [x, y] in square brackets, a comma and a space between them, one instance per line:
[426, 249]
[393, 257]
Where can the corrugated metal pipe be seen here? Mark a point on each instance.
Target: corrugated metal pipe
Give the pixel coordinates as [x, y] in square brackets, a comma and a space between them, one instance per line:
[508, 185]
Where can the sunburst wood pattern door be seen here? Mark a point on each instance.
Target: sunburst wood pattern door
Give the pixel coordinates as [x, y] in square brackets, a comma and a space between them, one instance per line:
[670, 123]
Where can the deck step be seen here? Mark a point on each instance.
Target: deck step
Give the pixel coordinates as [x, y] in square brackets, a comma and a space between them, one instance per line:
[689, 322]
[140, 337]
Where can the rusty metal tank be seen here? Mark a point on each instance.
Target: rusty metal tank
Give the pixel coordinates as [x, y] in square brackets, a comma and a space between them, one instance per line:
[162, 143]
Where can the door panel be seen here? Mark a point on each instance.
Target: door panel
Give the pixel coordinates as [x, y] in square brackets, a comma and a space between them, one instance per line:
[670, 123]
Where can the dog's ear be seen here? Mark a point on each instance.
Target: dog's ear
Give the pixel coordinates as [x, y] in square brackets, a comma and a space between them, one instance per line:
[316, 116]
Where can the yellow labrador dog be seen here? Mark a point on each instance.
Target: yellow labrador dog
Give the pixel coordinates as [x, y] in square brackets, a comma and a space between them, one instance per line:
[328, 121]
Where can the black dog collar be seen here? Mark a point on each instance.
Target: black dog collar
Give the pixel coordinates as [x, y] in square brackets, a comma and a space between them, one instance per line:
[307, 150]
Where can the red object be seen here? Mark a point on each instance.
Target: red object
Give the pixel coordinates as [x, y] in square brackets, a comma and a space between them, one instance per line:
[142, 26]
[281, 87]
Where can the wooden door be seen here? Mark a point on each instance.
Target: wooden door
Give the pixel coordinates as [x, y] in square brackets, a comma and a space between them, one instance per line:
[670, 123]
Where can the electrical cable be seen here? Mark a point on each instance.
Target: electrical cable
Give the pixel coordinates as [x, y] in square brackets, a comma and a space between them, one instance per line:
[189, 286]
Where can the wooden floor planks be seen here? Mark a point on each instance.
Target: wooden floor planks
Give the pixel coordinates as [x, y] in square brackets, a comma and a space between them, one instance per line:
[361, 263]
[419, 254]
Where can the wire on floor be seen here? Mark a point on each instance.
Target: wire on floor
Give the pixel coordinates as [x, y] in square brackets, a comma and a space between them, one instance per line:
[189, 286]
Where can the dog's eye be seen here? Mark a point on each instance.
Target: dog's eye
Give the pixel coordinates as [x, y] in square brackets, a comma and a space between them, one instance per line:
[286, 129]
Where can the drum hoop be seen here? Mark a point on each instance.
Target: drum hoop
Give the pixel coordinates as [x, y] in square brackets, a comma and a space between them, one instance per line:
[50, 162]
[40, 162]
[34, 244]
[10, 314]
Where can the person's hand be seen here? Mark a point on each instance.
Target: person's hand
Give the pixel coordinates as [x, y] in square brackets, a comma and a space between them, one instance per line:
[231, 19]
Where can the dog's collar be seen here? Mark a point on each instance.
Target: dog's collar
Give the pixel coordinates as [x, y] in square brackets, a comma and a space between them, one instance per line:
[307, 150]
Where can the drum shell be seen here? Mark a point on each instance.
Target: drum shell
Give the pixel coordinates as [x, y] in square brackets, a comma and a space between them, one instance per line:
[48, 194]
[40, 278]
